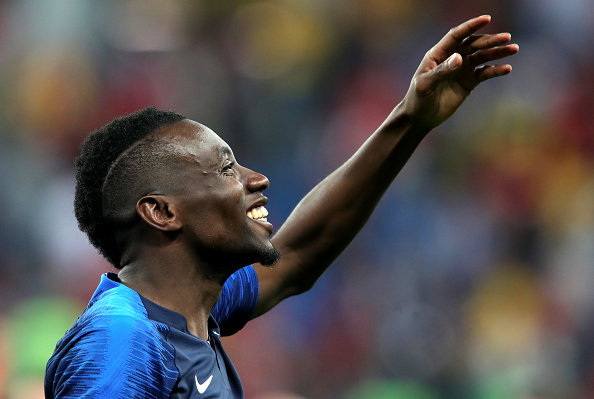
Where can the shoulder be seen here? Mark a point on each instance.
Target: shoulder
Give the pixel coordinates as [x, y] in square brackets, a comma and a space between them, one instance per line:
[238, 301]
[116, 318]
[113, 348]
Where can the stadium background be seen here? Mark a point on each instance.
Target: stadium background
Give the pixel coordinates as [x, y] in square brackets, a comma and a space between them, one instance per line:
[473, 279]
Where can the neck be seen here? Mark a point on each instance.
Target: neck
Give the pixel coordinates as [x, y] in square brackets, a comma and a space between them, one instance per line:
[175, 286]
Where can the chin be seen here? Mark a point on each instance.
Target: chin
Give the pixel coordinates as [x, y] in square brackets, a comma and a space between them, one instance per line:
[269, 257]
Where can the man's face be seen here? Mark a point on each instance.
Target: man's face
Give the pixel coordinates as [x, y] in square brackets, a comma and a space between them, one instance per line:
[220, 203]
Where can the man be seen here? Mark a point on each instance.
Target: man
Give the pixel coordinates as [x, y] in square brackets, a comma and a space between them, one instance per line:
[163, 198]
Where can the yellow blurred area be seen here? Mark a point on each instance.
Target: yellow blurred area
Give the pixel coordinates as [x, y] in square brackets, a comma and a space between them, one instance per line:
[278, 40]
[505, 315]
[51, 102]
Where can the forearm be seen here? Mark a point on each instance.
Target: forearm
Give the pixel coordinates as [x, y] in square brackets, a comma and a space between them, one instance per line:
[330, 216]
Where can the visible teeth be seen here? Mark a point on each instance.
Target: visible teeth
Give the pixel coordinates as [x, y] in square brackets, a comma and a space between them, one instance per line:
[258, 213]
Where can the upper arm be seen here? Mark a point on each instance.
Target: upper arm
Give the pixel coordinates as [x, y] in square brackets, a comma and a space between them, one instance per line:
[288, 277]
[115, 357]
[238, 300]
[328, 218]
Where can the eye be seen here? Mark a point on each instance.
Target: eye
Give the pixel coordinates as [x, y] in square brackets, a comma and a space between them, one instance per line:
[228, 168]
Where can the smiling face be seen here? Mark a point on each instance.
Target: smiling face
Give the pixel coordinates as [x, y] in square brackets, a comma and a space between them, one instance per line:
[219, 203]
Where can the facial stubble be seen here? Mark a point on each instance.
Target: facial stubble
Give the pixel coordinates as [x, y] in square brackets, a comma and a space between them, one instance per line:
[269, 256]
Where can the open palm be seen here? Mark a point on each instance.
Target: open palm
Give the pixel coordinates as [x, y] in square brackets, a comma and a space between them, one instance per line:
[452, 68]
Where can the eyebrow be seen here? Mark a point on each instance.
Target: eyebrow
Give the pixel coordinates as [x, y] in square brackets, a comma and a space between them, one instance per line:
[225, 152]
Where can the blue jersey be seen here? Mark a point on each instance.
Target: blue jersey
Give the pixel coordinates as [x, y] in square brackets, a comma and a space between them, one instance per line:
[125, 346]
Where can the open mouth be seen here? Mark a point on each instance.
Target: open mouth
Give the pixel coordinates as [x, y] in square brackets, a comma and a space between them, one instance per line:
[258, 213]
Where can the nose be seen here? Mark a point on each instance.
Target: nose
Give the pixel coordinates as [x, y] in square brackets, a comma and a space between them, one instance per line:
[256, 181]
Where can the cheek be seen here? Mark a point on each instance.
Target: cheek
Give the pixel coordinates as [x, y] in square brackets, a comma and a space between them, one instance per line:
[217, 206]
[223, 207]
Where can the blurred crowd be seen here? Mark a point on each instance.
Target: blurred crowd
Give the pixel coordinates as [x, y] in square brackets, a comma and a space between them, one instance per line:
[473, 278]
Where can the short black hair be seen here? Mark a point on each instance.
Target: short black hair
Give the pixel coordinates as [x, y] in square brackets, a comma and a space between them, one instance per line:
[99, 151]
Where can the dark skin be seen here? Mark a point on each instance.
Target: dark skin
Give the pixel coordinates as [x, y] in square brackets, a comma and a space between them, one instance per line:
[193, 234]
[181, 265]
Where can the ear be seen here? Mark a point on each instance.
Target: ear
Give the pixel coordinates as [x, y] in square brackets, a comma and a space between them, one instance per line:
[159, 212]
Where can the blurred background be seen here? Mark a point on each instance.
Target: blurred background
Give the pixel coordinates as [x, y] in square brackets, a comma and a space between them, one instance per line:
[473, 278]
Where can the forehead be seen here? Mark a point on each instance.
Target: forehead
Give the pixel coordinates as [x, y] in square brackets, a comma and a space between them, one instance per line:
[190, 138]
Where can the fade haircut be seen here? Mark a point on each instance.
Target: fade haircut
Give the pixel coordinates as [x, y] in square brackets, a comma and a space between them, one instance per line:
[101, 149]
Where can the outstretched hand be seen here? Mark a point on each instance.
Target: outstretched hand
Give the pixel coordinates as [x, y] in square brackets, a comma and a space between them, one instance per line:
[452, 69]
[329, 216]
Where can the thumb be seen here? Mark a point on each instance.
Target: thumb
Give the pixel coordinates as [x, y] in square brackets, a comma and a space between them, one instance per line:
[453, 62]
[440, 73]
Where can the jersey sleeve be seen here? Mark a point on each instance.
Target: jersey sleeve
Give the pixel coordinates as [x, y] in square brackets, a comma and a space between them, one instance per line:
[238, 301]
[115, 357]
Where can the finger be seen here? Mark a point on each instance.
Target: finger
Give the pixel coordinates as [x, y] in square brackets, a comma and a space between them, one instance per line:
[486, 72]
[483, 41]
[492, 54]
[454, 38]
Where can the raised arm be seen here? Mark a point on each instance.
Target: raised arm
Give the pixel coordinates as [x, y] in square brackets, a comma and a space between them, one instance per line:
[329, 217]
